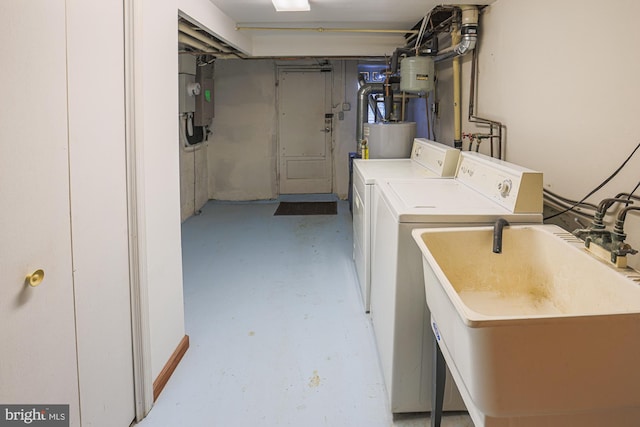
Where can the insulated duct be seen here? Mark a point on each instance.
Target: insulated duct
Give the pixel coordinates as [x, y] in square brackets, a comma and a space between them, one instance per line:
[361, 110]
[185, 39]
[469, 33]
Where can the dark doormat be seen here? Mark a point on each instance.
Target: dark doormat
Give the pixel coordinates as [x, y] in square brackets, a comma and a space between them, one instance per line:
[307, 208]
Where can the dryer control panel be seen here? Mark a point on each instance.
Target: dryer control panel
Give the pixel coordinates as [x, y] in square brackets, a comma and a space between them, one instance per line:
[440, 158]
[516, 188]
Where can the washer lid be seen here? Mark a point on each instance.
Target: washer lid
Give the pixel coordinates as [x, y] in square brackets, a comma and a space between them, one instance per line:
[444, 201]
[378, 169]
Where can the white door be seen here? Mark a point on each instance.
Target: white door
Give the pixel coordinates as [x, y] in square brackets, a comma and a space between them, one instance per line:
[37, 325]
[304, 131]
[63, 204]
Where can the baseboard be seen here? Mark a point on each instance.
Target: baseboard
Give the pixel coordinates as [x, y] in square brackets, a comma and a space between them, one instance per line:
[170, 366]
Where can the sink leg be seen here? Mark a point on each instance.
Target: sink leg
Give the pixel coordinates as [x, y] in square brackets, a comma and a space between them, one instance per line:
[439, 379]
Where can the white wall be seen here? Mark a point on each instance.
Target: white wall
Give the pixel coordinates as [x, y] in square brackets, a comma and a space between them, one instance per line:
[161, 178]
[194, 179]
[563, 78]
[305, 44]
[158, 131]
[345, 89]
[243, 147]
[95, 64]
[242, 150]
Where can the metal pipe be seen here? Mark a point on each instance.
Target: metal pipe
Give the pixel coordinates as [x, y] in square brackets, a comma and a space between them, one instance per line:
[498, 228]
[217, 54]
[476, 119]
[412, 41]
[184, 28]
[457, 116]
[469, 33]
[389, 101]
[326, 30]
[183, 38]
[618, 229]
[361, 110]
[462, 48]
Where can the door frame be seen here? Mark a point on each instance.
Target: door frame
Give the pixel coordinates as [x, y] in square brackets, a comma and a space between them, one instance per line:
[140, 323]
[327, 68]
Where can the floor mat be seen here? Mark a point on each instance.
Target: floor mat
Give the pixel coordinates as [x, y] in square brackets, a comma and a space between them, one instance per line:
[307, 208]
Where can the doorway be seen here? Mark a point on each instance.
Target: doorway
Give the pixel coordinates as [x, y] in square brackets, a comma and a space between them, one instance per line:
[304, 131]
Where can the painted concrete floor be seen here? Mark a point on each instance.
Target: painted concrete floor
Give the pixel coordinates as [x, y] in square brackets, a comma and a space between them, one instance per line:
[277, 329]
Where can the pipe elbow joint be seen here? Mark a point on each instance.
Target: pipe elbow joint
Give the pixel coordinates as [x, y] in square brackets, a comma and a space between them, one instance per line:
[467, 44]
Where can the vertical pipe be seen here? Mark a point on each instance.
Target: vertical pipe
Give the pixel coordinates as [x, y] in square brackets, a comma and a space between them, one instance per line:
[457, 116]
[362, 108]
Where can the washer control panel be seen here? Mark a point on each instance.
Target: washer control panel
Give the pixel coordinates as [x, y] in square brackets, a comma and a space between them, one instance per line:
[516, 188]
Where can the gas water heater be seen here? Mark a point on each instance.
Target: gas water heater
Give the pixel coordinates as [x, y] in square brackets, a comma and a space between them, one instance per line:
[389, 140]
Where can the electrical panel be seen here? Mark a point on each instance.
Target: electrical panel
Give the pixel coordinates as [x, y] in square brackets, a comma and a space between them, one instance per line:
[204, 110]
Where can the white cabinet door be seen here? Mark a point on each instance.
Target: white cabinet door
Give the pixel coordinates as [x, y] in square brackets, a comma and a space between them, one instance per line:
[304, 132]
[37, 324]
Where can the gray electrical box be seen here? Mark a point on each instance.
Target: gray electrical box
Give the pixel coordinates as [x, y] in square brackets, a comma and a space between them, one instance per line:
[186, 79]
[204, 101]
[186, 64]
[187, 102]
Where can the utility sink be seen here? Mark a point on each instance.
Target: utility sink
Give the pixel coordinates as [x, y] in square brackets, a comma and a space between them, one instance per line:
[543, 334]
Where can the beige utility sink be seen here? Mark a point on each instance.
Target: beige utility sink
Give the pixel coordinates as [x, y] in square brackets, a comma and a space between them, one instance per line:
[542, 334]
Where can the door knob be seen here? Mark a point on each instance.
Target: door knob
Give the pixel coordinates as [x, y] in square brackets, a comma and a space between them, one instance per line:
[35, 278]
[326, 130]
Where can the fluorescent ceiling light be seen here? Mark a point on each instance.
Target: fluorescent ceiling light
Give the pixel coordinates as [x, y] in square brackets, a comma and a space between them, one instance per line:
[291, 5]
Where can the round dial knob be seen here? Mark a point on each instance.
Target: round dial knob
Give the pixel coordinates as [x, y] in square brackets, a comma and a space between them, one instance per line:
[505, 187]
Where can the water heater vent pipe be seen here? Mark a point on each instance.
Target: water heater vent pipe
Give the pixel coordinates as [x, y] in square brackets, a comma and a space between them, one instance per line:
[468, 32]
[362, 107]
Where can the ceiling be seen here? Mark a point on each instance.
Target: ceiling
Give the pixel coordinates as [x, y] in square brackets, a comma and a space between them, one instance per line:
[374, 14]
[271, 33]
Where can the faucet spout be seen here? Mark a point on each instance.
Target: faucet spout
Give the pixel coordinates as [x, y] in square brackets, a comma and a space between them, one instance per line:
[497, 234]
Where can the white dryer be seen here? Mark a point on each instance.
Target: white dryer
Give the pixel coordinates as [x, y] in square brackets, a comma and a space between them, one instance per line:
[484, 189]
[429, 159]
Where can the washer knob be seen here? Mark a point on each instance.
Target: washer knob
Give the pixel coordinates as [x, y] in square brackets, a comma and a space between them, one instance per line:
[505, 187]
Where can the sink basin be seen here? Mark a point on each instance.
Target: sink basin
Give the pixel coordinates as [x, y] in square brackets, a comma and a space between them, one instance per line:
[541, 334]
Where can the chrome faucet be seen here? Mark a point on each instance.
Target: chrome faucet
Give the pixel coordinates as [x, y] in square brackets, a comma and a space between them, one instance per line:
[497, 234]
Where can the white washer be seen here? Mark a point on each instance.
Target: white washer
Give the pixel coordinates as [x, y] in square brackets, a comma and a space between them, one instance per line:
[484, 189]
[429, 159]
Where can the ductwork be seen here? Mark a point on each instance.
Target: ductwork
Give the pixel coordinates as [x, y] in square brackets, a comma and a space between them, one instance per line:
[361, 110]
[185, 39]
[203, 42]
[469, 33]
[186, 29]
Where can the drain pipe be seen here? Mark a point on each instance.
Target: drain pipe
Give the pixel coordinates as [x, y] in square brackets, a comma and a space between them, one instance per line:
[361, 110]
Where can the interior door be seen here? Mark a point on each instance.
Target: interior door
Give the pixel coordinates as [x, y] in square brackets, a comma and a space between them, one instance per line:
[37, 325]
[304, 131]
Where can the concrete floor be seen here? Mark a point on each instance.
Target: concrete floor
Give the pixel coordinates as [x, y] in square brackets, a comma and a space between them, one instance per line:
[277, 329]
